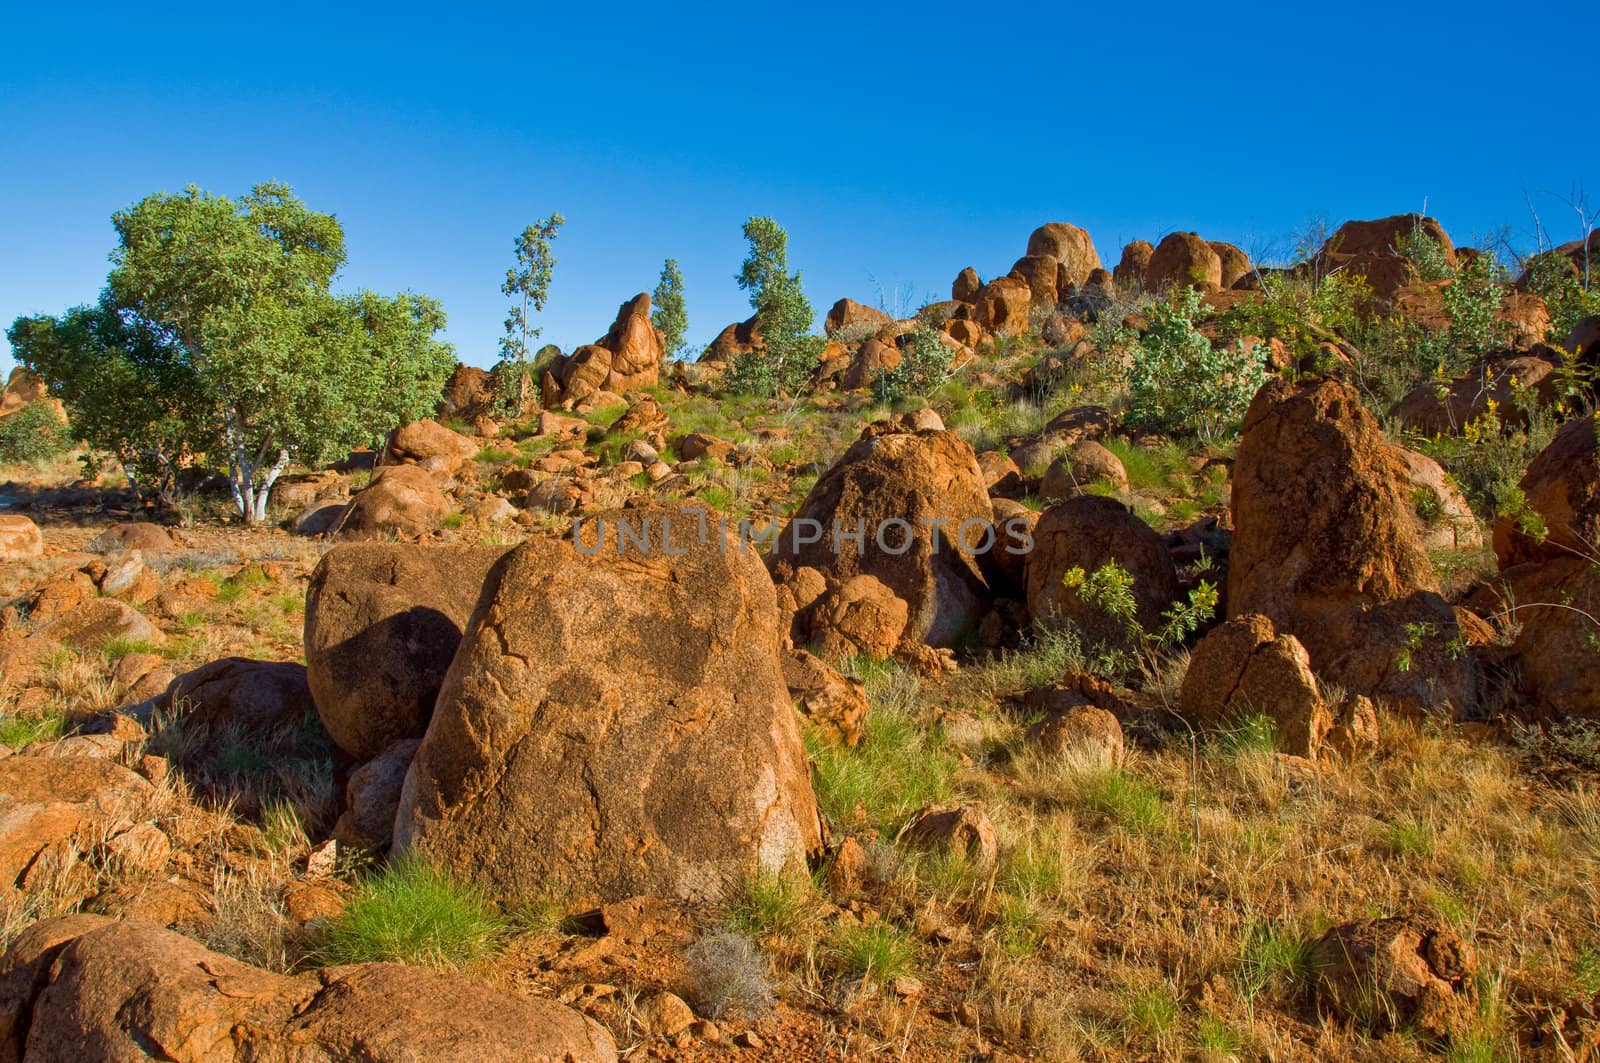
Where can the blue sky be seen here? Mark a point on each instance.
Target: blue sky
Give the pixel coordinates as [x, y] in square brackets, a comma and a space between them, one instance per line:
[896, 144]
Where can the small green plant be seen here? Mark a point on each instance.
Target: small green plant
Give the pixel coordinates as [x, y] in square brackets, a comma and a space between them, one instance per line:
[1110, 589]
[1274, 960]
[411, 912]
[1407, 837]
[1180, 384]
[770, 903]
[34, 433]
[1125, 799]
[876, 953]
[19, 731]
[1552, 277]
[1152, 1010]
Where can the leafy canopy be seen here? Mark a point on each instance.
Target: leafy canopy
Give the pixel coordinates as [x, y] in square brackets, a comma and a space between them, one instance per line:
[218, 341]
[784, 316]
[671, 315]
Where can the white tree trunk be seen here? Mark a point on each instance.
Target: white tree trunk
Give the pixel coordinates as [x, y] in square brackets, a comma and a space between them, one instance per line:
[264, 492]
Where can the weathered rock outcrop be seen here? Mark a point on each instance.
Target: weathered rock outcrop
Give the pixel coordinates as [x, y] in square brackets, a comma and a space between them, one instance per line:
[624, 359]
[430, 446]
[400, 500]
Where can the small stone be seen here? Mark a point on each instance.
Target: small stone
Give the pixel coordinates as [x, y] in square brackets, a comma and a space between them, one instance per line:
[749, 1039]
[665, 1014]
[323, 860]
[906, 987]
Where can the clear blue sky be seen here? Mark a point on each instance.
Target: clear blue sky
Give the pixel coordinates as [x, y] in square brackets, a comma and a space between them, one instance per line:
[896, 145]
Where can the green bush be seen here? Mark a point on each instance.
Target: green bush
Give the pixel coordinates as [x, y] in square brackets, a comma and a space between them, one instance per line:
[1552, 278]
[1473, 302]
[1426, 254]
[1180, 384]
[411, 912]
[33, 433]
[924, 365]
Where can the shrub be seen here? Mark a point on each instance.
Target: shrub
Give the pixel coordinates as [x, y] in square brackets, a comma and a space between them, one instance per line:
[770, 903]
[1425, 254]
[727, 976]
[33, 433]
[1552, 278]
[411, 912]
[1473, 302]
[1180, 384]
[924, 365]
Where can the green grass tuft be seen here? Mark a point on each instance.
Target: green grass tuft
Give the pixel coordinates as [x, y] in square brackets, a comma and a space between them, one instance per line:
[413, 913]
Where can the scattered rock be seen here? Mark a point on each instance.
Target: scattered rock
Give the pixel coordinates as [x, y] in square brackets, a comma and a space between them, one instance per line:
[1082, 733]
[1086, 463]
[961, 829]
[430, 446]
[1183, 259]
[45, 800]
[1422, 974]
[1562, 489]
[1244, 668]
[372, 797]
[140, 535]
[825, 695]
[19, 538]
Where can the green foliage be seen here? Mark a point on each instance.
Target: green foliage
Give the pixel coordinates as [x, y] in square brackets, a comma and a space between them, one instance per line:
[1125, 799]
[218, 335]
[413, 913]
[19, 731]
[770, 903]
[1109, 588]
[876, 953]
[924, 366]
[528, 283]
[33, 433]
[1552, 278]
[1425, 254]
[1274, 960]
[1472, 300]
[788, 352]
[671, 315]
[896, 768]
[1180, 384]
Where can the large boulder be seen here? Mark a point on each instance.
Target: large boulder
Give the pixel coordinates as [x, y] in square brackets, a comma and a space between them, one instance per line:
[1322, 545]
[1068, 245]
[99, 990]
[917, 500]
[19, 538]
[1561, 488]
[382, 625]
[1556, 608]
[429, 445]
[626, 358]
[468, 394]
[1371, 250]
[1042, 273]
[93, 623]
[400, 500]
[616, 722]
[1432, 409]
[965, 288]
[1235, 263]
[1183, 259]
[1086, 533]
[741, 337]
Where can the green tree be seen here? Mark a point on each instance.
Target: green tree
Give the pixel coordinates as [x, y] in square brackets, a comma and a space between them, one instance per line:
[670, 315]
[217, 340]
[784, 316]
[527, 282]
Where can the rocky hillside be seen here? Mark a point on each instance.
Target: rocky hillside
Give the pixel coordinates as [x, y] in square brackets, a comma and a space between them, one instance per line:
[1179, 660]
